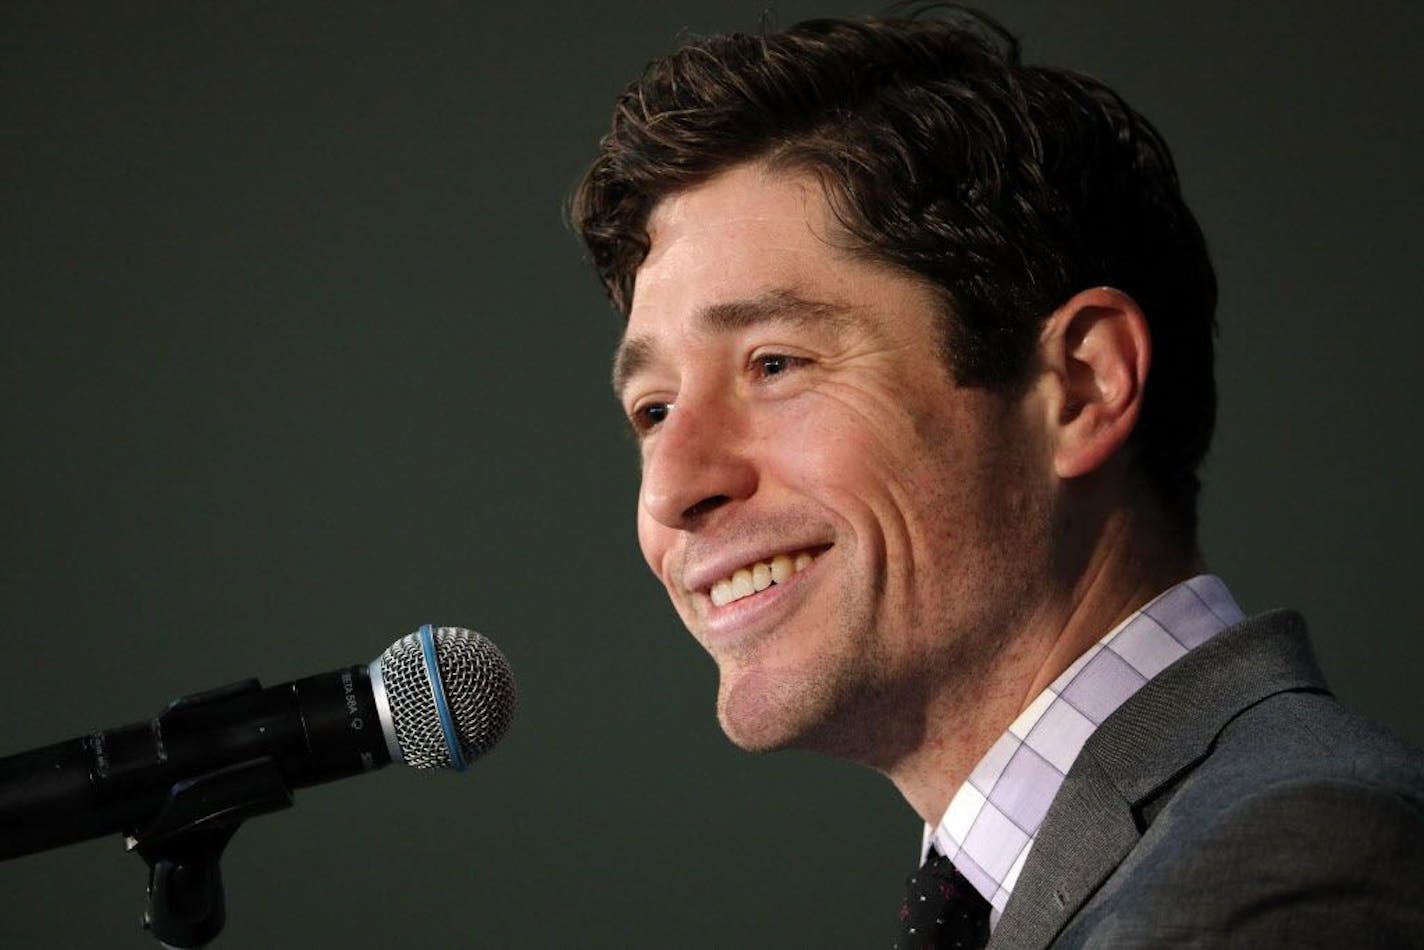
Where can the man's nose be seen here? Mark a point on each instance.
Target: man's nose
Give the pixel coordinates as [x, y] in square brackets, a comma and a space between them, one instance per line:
[698, 462]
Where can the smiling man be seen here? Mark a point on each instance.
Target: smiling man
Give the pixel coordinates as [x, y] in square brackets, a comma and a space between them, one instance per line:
[919, 358]
[824, 504]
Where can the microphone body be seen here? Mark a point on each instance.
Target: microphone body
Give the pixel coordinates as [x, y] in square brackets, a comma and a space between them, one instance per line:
[436, 699]
[315, 730]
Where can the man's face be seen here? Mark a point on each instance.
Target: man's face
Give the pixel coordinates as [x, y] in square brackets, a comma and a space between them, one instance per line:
[849, 533]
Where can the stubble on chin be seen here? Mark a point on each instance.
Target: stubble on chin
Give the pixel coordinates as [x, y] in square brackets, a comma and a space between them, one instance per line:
[856, 702]
[753, 709]
[835, 703]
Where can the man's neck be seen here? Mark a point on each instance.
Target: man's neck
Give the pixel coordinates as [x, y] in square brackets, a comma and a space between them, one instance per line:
[1130, 562]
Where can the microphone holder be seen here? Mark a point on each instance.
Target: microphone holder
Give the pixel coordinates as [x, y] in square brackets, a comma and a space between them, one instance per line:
[184, 842]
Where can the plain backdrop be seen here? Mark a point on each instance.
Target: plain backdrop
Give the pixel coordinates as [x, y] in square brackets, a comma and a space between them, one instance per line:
[299, 353]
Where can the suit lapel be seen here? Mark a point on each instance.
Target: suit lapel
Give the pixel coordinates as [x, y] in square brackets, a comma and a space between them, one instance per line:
[1159, 734]
[1088, 831]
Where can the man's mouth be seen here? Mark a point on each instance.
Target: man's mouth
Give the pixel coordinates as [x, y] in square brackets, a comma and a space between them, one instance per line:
[753, 578]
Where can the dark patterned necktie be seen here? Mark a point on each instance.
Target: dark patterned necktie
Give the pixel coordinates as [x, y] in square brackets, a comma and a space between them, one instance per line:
[942, 910]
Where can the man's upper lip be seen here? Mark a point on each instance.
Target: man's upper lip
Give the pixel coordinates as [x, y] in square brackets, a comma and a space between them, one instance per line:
[701, 578]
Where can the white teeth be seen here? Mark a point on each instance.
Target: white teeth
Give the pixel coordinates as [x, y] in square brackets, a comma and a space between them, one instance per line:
[758, 577]
[781, 568]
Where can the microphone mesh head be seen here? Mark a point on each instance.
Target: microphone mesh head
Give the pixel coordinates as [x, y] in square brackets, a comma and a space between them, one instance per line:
[479, 689]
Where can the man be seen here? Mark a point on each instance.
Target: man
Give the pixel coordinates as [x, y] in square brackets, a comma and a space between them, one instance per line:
[919, 357]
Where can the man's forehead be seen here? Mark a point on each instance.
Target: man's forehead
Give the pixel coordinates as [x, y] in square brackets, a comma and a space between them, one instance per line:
[748, 215]
[745, 193]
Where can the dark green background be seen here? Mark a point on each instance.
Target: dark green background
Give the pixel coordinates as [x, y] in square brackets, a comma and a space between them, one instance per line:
[299, 354]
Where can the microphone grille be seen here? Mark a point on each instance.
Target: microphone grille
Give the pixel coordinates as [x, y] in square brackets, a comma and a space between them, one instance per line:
[479, 690]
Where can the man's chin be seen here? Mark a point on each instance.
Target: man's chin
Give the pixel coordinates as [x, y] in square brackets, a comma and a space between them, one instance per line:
[762, 713]
[842, 715]
[753, 736]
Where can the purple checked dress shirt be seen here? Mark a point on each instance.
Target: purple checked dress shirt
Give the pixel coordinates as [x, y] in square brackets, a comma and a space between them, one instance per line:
[992, 821]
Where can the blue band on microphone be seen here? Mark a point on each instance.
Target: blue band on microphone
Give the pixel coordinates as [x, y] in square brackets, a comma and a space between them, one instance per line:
[437, 692]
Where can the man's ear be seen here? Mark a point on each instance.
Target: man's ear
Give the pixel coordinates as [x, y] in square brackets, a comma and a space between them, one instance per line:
[1095, 351]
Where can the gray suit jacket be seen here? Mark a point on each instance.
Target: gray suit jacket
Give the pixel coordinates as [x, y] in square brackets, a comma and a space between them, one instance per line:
[1230, 802]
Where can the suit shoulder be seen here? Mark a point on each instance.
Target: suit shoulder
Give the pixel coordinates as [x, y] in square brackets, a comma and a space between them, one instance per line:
[1302, 826]
[1297, 737]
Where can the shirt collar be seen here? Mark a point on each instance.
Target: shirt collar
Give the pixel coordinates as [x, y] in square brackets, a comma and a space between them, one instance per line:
[994, 817]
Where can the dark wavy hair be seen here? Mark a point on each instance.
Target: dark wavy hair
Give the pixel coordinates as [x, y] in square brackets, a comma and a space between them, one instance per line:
[1007, 187]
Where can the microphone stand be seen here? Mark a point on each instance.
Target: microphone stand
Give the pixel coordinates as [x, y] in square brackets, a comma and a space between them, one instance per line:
[184, 842]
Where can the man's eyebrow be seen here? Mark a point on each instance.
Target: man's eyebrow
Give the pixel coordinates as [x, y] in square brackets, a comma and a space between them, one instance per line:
[775, 306]
[630, 358]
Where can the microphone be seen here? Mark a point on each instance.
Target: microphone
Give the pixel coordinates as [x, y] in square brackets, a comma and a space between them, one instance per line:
[438, 698]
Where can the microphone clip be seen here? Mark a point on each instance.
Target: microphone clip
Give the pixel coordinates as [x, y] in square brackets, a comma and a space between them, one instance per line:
[185, 841]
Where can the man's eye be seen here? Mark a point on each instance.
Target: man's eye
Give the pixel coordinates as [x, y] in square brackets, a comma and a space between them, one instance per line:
[774, 364]
[648, 415]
